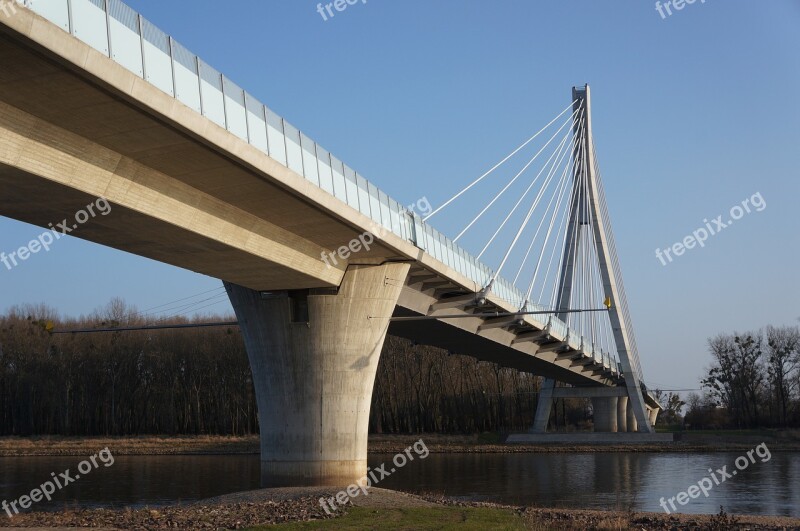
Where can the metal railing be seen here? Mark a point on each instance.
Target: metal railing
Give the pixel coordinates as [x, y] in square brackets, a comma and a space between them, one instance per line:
[116, 30]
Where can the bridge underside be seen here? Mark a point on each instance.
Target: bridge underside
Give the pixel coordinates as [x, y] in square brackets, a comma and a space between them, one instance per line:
[75, 126]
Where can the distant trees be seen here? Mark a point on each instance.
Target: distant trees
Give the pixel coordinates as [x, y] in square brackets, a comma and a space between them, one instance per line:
[754, 377]
[120, 383]
[423, 389]
[198, 381]
[671, 407]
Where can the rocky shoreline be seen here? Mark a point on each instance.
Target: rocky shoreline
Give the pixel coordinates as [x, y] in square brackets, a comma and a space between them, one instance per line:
[275, 506]
[389, 444]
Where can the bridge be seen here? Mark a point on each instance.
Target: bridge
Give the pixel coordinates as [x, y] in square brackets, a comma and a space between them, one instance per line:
[319, 264]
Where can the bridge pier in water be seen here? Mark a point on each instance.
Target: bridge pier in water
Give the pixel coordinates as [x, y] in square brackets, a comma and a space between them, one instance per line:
[314, 355]
[613, 410]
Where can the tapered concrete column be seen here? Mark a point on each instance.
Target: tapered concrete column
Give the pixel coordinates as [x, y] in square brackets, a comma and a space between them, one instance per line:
[605, 414]
[544, 406]
[653, 416]
[622, 413]
[314, 357]
[633, 425]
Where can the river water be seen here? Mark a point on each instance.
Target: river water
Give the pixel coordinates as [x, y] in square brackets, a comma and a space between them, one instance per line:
[577, 480]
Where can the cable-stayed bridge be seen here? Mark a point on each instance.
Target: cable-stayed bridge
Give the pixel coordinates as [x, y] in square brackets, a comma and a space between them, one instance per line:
[96, 101]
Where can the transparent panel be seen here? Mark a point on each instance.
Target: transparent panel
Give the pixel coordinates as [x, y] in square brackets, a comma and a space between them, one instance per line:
[363, 196]
[309, 159]
[126, 44]
[157, 60]
[213, 99]
[89, 23]
[235, 113]
[451, 256]
[187, 80]
[458, 258]
[408, 220]
[374, 203]
[386, 217]
[419, 231]
[56, 11]
[256, 123]
[294, 153]
[352, 187]
[394, 214]
[339, 188]
[437, 244]
[486, 274]
[324, 166]
[277, 142]
[471, 268]
[430, 246]
[403, 223]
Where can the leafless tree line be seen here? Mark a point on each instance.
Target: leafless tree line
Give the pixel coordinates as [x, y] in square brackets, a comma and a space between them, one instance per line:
[198, 381]
[753, 381]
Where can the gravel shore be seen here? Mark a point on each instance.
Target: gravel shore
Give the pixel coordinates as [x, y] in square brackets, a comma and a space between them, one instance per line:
[390, 444]
[275, 506]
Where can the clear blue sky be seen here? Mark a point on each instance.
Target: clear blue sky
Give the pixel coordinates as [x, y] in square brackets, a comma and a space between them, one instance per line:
[692, 115]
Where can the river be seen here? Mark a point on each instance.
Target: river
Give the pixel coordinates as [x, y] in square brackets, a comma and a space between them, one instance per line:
[578, 480]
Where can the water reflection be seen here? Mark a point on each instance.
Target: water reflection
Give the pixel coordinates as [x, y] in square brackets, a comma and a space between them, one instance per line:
[607, 480]
[584, 480]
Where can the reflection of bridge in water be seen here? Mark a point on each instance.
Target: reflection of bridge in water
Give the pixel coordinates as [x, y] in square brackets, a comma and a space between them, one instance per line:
[95, 101]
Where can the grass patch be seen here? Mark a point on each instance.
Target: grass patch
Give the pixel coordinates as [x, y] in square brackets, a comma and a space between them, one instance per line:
[441, 518]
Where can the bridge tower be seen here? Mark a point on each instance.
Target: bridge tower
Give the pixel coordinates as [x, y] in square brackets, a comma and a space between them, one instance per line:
[627, 411]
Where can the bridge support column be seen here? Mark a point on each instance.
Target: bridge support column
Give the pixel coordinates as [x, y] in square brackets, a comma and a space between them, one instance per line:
[314, 357]
[633, 425]
[544, 406]
[622, 413]
[653, 413]
[605, 414]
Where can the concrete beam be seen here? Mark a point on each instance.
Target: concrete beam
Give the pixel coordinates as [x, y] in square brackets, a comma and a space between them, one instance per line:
[589, 392]
[459, 301]
[498, 322]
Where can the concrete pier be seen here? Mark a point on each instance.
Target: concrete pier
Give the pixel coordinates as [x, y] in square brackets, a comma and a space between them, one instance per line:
[622, 413]
[605, 414]
[633, 425]
[314, 356]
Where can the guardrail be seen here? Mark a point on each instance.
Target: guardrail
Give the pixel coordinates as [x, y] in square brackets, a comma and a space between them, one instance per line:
[116, 30]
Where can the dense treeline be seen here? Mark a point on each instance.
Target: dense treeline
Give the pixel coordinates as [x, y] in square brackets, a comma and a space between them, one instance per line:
[198, 381]
[753, 381]
[422, 389]
[120, 383]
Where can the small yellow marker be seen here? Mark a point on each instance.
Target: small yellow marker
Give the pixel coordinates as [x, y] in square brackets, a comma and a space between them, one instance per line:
[607, 303]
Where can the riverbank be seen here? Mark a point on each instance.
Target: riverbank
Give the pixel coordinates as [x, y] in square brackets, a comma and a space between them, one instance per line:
[436, 443]
[299, 508]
